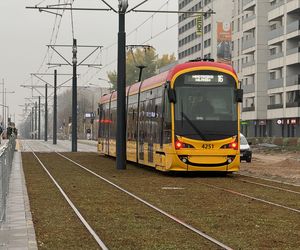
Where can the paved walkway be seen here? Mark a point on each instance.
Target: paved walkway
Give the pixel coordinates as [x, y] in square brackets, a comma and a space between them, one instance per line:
[17, 231]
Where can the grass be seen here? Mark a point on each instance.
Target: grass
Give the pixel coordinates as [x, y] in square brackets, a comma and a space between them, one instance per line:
[120, 221]
[124, 223]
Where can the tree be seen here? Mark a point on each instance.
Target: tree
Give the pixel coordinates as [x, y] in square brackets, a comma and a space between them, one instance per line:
[141, 57]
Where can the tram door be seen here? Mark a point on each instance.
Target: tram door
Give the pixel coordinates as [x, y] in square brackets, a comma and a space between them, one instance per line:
[150, 128]
[142, 130]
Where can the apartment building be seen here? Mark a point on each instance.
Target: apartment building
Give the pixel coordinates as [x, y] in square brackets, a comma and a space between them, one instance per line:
[213, 37]
[266, 56]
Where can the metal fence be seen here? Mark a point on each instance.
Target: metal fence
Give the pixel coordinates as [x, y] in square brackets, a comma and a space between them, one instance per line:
[6, 158]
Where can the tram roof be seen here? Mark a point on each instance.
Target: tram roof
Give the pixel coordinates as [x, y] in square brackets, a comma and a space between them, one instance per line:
[161, 78]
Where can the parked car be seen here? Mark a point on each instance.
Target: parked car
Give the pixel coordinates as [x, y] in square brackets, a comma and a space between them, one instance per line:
[245, 149]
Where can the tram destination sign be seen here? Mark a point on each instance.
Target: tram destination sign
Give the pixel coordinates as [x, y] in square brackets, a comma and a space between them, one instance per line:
[207, 79]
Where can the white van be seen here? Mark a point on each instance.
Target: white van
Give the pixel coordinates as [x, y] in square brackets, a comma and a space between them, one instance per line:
[245, 149]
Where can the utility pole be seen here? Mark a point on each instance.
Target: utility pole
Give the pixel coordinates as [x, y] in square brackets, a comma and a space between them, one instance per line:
[37, 75]
[35, 120]
[121, 88]
[74, 97]
[55, 109]
[46, 112]
[39, 123]
[74, 65]
[32, 127]
[3, 118]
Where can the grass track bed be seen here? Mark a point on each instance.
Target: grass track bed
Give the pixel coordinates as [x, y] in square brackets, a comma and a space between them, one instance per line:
[239, 222]
[120, 221]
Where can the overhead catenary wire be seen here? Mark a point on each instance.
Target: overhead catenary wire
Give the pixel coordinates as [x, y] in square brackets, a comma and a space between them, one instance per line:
[133, 31]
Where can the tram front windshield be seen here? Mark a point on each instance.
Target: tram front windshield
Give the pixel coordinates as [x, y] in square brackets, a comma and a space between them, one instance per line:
[205, 107]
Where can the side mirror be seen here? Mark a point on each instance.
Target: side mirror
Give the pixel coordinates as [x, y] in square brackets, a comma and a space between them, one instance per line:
[172, 95]
[239, 95]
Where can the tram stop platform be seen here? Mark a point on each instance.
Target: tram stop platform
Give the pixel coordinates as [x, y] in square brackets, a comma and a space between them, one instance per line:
[17, 229]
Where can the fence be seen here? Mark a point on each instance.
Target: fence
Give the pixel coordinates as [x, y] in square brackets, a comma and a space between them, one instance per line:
[6, 158]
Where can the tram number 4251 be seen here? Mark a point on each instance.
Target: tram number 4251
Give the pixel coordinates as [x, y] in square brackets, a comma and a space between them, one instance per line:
[208, 146]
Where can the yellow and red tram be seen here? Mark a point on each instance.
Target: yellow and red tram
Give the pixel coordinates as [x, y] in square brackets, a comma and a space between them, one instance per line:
[184, 119]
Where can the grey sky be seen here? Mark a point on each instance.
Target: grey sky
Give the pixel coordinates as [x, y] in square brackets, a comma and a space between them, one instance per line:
[25, 34]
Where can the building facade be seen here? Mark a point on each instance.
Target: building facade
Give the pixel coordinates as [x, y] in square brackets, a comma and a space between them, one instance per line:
[266, 56]
[207, 36]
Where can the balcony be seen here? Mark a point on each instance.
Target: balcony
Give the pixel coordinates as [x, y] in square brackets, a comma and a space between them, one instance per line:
[292, 104]
[275, 106]
[293, 80]
[248, 64]
[249, 43]
[294, 26]
[250, 88]
[247, 109]
[249, 18]
[292, 6]
[277, 83]
[293, 51]
[278, 4]
[245, 2]
[276, 55]
[248, 4]
[275, 33]
[293, 56]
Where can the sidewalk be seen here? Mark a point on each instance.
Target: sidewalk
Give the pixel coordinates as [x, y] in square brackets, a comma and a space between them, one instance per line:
[17, 231]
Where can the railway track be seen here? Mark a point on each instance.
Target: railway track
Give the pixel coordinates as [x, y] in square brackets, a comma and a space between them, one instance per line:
[250, 198]
[96, 237]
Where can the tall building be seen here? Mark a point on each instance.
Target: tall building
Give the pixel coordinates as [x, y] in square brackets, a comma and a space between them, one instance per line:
[266, 56]
[207, 36]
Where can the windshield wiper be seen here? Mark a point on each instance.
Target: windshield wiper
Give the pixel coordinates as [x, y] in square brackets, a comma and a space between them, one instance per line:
[193, 126]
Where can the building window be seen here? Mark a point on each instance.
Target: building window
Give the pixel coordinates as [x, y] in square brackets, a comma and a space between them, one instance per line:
[275, 99]
[293, 96]
[207, 43]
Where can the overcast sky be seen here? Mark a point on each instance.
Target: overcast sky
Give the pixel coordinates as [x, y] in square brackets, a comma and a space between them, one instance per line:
[25, 33]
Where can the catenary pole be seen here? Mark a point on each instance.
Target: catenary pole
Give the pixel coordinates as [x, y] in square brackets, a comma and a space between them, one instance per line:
[121, 89]
[74, 98]
[46, 112]
[35, 120]
[39, 123]
[32, 123]
[55, 109]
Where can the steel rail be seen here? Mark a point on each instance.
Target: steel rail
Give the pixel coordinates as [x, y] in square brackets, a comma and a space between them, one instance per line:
[269, 186]
[251, 197]
[204, 235]
[267, 179]
[84, 222]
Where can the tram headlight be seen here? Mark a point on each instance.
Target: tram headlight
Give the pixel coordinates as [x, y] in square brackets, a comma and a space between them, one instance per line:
[230, 158]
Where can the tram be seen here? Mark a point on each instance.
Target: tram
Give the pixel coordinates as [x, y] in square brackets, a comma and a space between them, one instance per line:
[184, 119]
